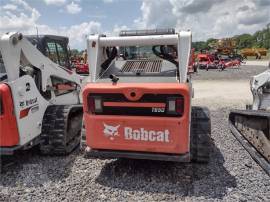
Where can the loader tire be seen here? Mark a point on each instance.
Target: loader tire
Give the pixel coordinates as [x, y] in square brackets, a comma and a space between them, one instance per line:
[200, 133]
[195, 68]
[61, 129]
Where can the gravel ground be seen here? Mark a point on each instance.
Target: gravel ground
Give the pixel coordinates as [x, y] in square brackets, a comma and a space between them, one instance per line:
[231, 174]
[242, 72]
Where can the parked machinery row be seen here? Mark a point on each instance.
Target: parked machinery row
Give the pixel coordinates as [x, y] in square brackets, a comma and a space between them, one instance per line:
[135, 108]
[135, 103]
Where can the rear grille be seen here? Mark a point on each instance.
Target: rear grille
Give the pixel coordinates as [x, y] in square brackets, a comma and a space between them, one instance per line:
[135, 111]
[148, 97]
[139, 66]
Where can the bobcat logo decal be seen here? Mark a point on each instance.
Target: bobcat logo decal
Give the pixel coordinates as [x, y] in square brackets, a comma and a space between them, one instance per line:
[110, 131]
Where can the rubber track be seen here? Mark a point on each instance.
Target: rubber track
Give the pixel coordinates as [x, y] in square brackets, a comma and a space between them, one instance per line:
[56, 138]
[83, 136]
[243, 141]
[200, 134]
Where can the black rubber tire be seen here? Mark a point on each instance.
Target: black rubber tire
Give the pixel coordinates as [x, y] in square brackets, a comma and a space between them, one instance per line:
[61, 129]
[200, 133]
[223, 67]
[195, 68]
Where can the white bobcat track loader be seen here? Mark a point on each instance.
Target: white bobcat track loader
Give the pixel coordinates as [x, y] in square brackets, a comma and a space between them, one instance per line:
[39, 95]
[251, 127]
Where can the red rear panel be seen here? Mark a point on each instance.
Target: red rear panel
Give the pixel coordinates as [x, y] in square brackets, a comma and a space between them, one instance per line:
[9, 135]
[136, 123]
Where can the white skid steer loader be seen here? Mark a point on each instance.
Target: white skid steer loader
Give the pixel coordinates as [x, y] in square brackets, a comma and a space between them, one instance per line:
[39, 95]
[251, 127]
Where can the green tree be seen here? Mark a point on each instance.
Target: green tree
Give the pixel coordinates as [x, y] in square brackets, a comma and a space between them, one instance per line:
[199, 45]
[211, 41]
[266, 37]
[260, 39]
[244, 41]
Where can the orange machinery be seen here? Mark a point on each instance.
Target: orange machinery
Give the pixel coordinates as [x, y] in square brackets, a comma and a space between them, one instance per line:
[141, 108]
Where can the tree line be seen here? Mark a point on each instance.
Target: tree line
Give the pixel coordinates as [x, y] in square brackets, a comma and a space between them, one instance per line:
[260, 39]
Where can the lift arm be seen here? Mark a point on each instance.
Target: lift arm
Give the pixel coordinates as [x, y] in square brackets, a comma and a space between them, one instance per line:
[17, 51]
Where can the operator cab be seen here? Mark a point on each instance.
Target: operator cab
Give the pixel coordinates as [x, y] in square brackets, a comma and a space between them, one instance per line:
[56, 49]
[138, 63]
[53, 47]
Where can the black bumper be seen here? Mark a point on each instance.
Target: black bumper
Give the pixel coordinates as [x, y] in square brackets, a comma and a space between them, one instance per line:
[112, 154]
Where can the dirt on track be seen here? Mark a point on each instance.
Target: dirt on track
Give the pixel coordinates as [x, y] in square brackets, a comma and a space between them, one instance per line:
[231, 174]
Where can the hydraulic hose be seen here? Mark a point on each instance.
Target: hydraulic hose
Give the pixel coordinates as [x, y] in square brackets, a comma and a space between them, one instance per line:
[111, 54]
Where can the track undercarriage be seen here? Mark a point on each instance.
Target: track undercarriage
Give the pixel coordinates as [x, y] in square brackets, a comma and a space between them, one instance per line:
[252, 129]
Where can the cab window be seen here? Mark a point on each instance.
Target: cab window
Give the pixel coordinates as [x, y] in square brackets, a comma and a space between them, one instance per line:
[57, 53]
[62, 56]
[51, 52]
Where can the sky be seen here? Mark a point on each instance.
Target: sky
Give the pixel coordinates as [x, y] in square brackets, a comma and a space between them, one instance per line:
[79, 18]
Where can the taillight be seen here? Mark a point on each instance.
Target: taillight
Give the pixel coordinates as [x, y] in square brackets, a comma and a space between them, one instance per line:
[179, 102]
[95, 104]
[175, 105]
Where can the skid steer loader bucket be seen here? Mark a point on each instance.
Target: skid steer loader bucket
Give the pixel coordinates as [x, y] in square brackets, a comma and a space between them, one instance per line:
[252, 129]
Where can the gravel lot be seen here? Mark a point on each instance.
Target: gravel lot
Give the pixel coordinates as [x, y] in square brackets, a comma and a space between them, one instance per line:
[231, 174]
[243, 72]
